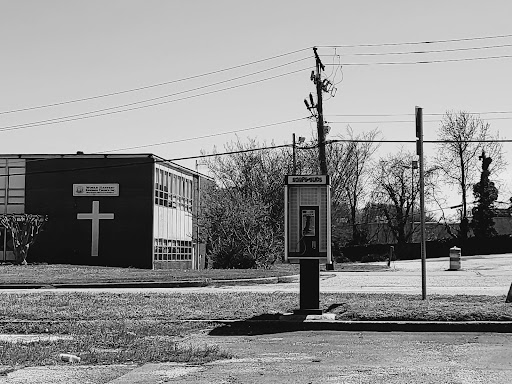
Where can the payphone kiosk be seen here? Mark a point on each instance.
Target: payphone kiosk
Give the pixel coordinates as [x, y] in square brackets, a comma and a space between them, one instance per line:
[307, 218]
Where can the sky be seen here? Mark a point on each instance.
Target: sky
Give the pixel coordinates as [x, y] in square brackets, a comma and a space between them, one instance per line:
[170, 77]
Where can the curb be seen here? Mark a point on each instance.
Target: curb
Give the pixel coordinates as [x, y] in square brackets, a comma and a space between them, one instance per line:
[146, 284]
[260, 280]
[142, 284]
[263, 326]
[160, 284]
[255, 281]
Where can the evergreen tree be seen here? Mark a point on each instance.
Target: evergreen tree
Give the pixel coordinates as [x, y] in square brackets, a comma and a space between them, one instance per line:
[485, 194]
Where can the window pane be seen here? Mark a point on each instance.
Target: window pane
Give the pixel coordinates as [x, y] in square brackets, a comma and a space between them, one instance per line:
[17, 182]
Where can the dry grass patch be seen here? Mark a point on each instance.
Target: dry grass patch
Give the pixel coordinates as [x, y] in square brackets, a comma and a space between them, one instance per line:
[109, 328]
[49, 274]
[44, 274]
[112, 342]
[71, 307]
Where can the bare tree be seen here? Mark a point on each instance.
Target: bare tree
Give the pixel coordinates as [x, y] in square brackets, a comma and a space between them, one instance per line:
[348, 164]
[395, 192]
[355, 174]
[464, 137]
[24, 229]
[243, 214]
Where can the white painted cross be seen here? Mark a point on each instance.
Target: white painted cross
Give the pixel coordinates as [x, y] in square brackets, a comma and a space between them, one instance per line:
[95, 217]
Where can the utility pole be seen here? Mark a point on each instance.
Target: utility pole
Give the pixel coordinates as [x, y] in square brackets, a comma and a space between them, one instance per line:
[310, 269]
[321, 86]
[320, 118]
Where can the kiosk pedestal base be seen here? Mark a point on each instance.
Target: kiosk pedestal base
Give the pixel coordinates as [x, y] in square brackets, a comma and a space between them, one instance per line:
[307, 312]
[309, 288]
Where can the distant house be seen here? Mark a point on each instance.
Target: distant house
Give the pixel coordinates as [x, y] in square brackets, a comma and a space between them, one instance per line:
[113, 210]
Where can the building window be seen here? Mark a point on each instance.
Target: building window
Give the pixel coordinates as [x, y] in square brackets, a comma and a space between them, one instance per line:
[172, 250]
[173, 191]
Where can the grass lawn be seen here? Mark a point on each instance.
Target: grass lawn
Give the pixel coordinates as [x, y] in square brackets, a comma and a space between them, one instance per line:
[48, 274]
[141, 327]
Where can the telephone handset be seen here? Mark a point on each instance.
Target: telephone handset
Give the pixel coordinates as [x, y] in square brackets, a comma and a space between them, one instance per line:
[309, 230]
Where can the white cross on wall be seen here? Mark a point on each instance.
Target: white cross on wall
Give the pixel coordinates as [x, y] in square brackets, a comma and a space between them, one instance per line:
[95, 217]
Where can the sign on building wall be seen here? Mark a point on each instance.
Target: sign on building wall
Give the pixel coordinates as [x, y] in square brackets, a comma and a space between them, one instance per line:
[95, 189]
[307, 218]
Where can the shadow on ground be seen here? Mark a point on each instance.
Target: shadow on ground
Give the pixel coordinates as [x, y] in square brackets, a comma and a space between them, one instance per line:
[270, 323]
[265, 324]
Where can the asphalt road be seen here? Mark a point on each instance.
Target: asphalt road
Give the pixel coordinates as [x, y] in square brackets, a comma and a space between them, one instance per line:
[313, 357]
[354, 357]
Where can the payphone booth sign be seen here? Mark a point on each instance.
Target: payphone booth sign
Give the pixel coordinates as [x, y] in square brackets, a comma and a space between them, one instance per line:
[307, 218]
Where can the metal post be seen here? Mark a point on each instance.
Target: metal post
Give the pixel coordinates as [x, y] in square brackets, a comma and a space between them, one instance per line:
[419, 133]
[414, 165]
[412, 203]
[6, 202]
[294, 159]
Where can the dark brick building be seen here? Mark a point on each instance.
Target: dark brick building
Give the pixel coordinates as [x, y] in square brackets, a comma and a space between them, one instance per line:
[113, 210]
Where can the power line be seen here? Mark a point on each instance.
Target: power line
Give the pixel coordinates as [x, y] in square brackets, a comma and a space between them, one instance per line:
[86, 115]
[402, 121]
[423, 51]
[153, 160]
[151, 85]
[412, 114]
[260, 61]
[131, 164]
[158, 98]
[302, 147]
[414, 141]
[183, 140]
[428, 61]
[205, 136]
[245, 65]
[274, 124]
[418, 42]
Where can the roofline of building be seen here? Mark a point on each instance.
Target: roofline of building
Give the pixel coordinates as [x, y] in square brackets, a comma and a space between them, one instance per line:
[82, 155]
[180, 167]
[71, 155]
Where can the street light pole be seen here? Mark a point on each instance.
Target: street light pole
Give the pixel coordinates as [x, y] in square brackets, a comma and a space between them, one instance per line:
[294, 147]
[294, 159]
